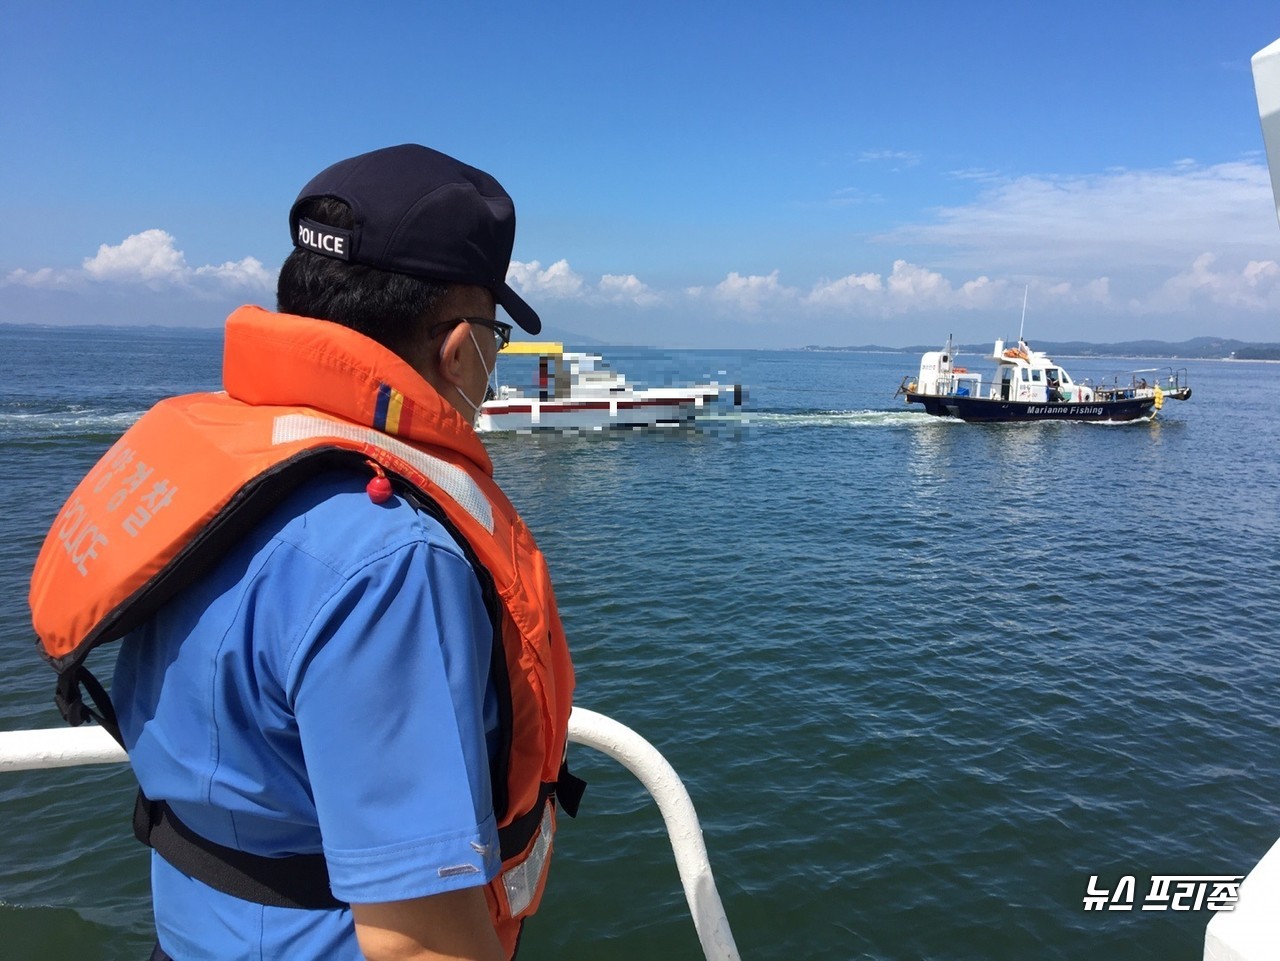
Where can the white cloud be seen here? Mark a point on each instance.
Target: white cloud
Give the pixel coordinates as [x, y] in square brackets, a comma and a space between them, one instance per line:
[1256, 286]
[1096, 292]
[558, 280]
[1142, 219]
[151, 259]
[148, 256]
[847, 292]
[919, 285]
[982, 174]
[750, 293]
[248, 272]
[1118, 242]
[907, 288]
[901, 158]
[982, 291]
[853, 196]
[562, 282]
[627, 289]
[44, 277]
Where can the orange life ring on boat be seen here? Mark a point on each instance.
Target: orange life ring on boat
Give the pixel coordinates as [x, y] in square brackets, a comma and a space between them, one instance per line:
[959, 370]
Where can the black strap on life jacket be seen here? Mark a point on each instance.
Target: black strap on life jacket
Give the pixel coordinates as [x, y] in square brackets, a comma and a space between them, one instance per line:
[70, 700]
[301, 880]
[295, 881]
[566, 792]
[569, 790]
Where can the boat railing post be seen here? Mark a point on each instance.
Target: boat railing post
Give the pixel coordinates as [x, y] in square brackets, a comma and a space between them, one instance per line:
[58, 747]
[685, 833]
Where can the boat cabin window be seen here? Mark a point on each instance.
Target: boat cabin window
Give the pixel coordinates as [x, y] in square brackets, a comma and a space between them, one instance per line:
[1024, 373]
[1035, 375]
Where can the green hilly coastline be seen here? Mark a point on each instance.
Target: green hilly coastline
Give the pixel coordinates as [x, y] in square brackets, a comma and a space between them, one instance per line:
[1198, 348]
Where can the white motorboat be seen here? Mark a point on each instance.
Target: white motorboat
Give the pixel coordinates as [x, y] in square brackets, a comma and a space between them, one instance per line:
[1028, 385]
[577, 392]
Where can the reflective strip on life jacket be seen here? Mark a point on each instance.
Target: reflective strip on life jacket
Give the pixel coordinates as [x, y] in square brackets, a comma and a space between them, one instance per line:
[521, 882]
[295, 428]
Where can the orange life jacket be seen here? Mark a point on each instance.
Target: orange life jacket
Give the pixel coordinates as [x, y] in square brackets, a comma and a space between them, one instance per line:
[198, 471]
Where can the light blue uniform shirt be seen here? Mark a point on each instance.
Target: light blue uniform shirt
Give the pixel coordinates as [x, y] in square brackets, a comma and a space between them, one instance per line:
[324, 688]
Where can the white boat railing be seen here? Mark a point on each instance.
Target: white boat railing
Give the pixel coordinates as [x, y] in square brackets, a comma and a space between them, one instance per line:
[72, 746]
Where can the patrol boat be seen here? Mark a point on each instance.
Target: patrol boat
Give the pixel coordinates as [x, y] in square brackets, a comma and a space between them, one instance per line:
[1027, 385]
[578, 392]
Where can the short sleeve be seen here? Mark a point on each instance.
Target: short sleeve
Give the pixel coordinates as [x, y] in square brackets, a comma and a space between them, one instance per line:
[388, 689]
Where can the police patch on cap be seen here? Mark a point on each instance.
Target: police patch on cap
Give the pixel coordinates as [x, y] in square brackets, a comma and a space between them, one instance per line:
[323, 239]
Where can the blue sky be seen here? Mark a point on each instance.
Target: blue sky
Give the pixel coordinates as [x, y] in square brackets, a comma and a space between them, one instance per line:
[765, 175]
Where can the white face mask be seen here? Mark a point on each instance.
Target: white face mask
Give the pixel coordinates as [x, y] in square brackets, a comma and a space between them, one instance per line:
[490, 391]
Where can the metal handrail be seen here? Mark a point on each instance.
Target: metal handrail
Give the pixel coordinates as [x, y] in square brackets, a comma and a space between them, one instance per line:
[661, 781]
[73, 746]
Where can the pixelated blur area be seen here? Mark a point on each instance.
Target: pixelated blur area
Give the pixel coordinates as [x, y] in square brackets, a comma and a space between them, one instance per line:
[544, 388]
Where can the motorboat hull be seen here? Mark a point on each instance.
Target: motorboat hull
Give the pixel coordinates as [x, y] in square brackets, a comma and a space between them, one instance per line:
[979, 409]
[663, 409]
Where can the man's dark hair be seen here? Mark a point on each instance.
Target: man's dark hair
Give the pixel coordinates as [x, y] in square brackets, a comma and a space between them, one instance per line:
[396, 310]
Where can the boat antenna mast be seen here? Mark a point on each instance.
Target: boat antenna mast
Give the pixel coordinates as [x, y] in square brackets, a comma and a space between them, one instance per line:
[1023, 323]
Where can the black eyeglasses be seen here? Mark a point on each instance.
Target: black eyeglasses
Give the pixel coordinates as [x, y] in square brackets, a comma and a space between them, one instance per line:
[501, 331]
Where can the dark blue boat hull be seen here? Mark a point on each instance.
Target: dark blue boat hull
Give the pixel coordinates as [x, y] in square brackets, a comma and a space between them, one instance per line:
[980, 409]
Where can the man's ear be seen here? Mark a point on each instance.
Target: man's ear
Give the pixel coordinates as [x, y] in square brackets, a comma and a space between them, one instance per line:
[449, 358]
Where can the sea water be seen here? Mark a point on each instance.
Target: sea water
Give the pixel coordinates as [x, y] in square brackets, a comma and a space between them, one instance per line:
[922, 679]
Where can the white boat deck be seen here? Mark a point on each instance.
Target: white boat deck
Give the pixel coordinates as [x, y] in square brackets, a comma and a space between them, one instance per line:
[1252, 931]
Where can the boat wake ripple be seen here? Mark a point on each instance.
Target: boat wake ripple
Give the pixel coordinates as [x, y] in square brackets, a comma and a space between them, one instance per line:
[841, 418]
[67, 422]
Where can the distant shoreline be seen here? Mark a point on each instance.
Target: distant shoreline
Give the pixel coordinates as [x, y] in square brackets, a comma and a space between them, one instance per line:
[1198, 348]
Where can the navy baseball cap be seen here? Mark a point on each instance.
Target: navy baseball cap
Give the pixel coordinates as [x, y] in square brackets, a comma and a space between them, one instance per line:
[422, 213]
